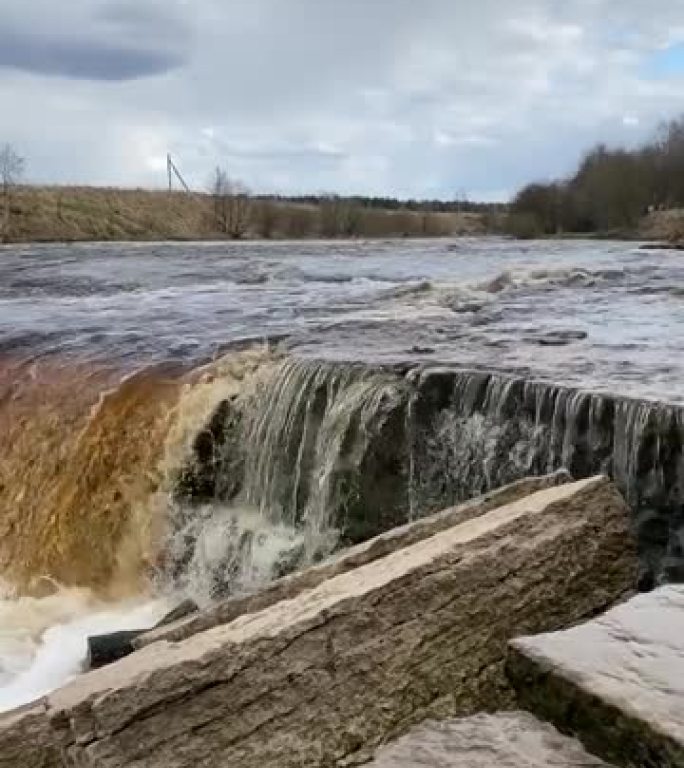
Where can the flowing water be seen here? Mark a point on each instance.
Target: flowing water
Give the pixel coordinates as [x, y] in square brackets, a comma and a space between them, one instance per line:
[196, 419]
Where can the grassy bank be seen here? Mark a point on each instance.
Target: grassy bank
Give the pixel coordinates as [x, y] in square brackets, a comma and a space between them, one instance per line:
[55, 214]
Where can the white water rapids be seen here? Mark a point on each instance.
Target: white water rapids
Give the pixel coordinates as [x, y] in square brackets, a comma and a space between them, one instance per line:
[43, 641]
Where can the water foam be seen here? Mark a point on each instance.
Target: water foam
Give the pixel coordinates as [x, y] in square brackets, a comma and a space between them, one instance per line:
[43, 641]
[233, 550]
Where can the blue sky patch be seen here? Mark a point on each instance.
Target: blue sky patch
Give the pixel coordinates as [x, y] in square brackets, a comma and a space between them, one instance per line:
[668, 62]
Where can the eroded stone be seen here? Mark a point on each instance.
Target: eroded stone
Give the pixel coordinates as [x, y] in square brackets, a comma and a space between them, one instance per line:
[26, 739]
[506, 740]
[319, 679]
[290, 586]
[616, 681]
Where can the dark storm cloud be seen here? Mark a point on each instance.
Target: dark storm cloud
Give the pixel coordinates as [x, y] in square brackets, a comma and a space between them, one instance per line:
[105, 40]
[159, 21]
[83, 59]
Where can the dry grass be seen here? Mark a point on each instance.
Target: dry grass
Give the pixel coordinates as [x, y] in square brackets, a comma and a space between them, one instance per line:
[87, 213]
[48, 214]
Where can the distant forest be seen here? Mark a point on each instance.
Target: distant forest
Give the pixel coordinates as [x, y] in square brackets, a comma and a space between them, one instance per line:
[393, 204]
[610, 192]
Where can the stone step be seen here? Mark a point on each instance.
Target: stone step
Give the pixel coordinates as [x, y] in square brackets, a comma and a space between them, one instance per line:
[504, 740]
[321, 679]
[616, 682]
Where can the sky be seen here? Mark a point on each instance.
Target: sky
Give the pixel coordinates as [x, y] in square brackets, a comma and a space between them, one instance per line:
[409, 98]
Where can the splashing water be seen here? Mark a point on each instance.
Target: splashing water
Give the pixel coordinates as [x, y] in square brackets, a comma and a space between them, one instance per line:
[43, 641]
[279, 473]
[233, 550]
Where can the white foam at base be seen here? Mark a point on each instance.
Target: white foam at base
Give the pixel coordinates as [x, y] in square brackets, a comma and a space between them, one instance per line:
[43, 641]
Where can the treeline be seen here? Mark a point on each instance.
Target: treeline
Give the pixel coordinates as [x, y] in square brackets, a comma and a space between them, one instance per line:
[240, 216]
[610, 192]
[393, 203]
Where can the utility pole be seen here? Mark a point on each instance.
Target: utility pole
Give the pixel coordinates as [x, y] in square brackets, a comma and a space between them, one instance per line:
[172, 171]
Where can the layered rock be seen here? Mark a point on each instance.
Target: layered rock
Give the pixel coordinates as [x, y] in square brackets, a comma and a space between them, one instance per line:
[320, 679]
[507, 740]
[26, 739]
[617, 681]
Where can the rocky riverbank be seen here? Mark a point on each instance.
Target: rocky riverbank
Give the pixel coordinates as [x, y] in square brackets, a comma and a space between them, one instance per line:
[323, 677]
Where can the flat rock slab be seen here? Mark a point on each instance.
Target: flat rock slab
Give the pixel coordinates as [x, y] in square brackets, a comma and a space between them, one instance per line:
[617, 681]
[290, 586]
[321, 679]
[505, 740]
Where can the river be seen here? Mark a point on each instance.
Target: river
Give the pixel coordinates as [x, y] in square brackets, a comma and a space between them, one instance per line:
[115, 357]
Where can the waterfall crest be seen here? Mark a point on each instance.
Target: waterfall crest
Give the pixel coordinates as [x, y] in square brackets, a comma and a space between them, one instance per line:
[216, 479]
[308, 455]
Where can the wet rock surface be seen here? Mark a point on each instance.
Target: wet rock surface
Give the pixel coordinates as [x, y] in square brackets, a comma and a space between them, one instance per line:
[617, 682]
[108, 648]
[321, 679]
[290, 586]
[506, 740]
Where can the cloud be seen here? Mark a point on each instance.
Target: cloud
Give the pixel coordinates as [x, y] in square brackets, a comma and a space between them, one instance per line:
[382, 97]
[114, 40]
[79, 58]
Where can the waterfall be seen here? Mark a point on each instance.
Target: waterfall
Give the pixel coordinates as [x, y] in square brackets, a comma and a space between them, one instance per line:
[334, 453]
[476, 431]
[216, 479]
[309, 455]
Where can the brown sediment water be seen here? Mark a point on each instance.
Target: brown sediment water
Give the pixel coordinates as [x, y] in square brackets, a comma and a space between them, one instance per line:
[93, 458]
[89, 457]
[80, 448]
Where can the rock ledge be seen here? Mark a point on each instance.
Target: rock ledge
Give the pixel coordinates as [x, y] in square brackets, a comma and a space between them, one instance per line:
[617, 681]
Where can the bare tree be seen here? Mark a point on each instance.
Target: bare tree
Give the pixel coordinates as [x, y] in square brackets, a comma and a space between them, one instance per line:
[330, 214]
[352, 218]
[11, 170]
[339, 217]
[299, 221]
[232, 204]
